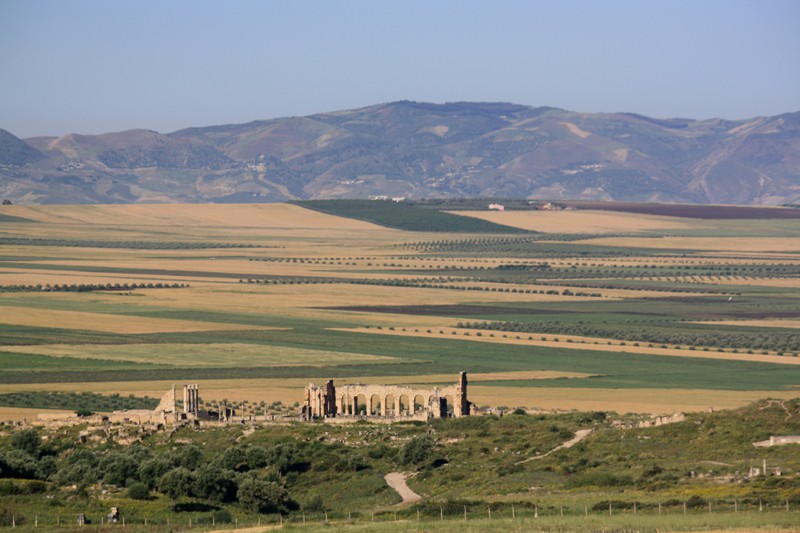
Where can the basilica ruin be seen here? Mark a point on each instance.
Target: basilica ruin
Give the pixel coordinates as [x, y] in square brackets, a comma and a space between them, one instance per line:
[385, 402]
[343, 403]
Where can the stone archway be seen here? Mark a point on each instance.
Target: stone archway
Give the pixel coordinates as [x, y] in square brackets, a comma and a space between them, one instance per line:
[405, 406]
[374, 405]
[390, 405]
[346, 404]
[419, 403]
[361, 405]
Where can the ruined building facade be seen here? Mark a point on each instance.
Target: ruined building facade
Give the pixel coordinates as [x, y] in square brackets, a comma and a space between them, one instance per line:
[386, 402]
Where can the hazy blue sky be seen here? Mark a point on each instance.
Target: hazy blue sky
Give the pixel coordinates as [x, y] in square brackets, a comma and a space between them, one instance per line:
[94, 66]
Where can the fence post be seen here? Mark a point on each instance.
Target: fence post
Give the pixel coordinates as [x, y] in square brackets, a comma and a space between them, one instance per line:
[634, 508]
[760, 505]
[562, 510]
[490, 512]
[395, 516]
[373, 515]
[304, 518]
[190, 521]
[659, 507]
[13, 520]
[585, 510]
[465, 513]
[514, 516]
[536, 511]
[441, 514]
[36, 521]
[609, 509]
[787, 505]
[735, 506]
[709, 507]
[326, 516]
[417, 515]
[684, 507]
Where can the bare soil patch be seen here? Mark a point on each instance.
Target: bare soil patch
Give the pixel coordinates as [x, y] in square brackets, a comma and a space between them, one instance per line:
[397, 481]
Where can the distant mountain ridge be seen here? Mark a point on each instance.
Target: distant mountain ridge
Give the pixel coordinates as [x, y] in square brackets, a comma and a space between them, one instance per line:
[418, 150]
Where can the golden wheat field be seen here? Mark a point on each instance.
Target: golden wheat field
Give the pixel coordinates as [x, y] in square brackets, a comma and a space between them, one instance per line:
[275, 296]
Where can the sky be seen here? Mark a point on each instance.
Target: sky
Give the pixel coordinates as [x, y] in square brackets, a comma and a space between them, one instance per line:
[94, 66]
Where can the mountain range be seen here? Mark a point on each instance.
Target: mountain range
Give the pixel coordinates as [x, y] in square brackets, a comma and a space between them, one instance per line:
[418, 150]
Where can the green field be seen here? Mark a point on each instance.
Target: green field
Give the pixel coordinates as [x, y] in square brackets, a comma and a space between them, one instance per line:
[405, 217]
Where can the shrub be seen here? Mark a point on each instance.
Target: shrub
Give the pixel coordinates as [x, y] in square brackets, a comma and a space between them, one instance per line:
[139, 491]
[417, 450]
[222, 516]
[260, 496]
[27, 440]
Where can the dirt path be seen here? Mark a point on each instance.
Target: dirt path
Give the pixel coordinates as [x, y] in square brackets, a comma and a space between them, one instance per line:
[397, 480]
[579, 436]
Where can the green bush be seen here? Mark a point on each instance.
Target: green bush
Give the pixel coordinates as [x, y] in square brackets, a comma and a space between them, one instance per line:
[138, 491]
[417, 450]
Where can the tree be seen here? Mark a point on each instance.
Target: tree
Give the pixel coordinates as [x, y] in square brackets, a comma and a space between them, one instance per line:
[257, 456]
[27, 440]
[284, 457]
[215, 484]
[233, 458]
[151, 471]
[190, 457]
[176, 483]
[117, 468]
[417, 450]
[260, 496]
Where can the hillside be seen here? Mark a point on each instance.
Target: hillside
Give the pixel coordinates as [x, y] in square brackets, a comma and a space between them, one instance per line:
[418, 150]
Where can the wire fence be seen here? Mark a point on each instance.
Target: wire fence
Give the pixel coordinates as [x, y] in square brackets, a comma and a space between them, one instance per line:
[428, 512]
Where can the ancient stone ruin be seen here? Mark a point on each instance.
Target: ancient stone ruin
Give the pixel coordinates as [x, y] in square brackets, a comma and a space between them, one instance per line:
[385, 402]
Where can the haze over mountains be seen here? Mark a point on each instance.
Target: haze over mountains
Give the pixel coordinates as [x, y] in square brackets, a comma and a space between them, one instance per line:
[418, 150]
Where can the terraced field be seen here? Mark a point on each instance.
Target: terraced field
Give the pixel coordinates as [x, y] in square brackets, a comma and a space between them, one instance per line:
[598, 310]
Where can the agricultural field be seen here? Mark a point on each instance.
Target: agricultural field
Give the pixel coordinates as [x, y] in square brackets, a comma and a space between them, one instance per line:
[584, 319]
[214, 294]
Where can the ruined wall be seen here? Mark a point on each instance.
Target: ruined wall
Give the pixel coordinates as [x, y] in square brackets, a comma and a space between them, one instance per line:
[386, 401]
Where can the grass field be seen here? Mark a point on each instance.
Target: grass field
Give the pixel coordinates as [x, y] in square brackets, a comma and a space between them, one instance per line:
[704, 309]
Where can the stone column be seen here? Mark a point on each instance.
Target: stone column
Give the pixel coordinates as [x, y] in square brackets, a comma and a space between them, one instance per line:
[330, 399]
[461, 407]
